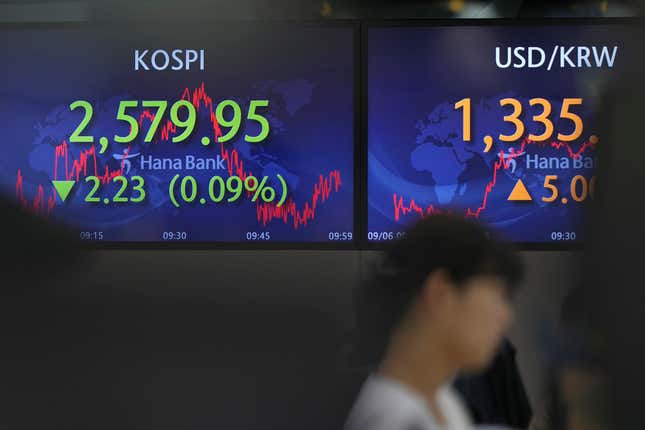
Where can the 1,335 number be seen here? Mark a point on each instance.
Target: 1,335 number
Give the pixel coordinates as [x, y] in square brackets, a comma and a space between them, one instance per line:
[514, 119]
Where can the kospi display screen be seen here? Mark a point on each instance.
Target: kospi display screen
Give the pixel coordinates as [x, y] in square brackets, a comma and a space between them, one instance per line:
[493, 122]
[219, 132]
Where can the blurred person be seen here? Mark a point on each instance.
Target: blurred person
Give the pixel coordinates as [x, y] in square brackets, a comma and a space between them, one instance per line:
[440, 305]
[598, 379]
[577, 384]
[616, 249]
[582, 378]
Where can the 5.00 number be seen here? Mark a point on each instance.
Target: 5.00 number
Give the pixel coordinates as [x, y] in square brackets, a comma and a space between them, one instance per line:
[579, 189]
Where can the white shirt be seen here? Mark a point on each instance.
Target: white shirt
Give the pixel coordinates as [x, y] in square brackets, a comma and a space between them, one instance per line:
[385, 404]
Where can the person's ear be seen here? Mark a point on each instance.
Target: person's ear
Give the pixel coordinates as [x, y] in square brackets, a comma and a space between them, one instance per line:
[436, 290]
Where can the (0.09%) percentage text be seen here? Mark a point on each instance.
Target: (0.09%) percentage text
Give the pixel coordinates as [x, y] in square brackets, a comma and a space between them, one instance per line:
[186, 189]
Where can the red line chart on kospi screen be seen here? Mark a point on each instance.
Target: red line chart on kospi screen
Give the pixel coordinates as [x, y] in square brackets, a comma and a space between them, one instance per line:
[68, 167]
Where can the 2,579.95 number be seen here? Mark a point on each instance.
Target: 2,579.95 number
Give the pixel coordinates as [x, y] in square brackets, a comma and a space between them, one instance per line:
[187, 125]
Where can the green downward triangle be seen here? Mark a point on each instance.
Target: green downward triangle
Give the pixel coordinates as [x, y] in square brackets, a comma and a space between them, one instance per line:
[63, 188]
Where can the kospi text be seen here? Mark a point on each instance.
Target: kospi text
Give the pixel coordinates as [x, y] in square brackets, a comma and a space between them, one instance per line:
[162, 59]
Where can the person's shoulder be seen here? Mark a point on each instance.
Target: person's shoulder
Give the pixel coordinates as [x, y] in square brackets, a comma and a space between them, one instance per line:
[453, 408]
[383, 405]
[383, 422]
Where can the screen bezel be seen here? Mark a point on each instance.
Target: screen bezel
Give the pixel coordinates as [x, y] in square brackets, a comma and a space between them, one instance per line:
[429, 22]
[360, 29]
[354, 26]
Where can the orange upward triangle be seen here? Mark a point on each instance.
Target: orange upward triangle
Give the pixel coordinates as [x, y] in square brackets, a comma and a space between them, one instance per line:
[519, 193]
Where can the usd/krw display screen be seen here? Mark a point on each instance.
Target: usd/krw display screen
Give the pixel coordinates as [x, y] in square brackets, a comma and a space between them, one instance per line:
[498, 123]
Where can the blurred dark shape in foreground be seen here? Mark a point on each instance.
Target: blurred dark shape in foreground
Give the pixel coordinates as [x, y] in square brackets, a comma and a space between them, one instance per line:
[576, 355]
[614, 264]
[497, 395]
[80, 356]
[32, 249]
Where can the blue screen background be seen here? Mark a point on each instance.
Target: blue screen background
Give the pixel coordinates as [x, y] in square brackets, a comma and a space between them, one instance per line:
[415, 144]
[306, 73]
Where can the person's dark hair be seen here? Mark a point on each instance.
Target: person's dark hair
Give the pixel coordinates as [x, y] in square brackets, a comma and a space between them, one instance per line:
[462, 248]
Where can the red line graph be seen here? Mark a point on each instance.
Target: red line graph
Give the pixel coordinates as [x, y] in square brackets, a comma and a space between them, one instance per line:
[87, 161]
[79, 167]
[402, 209]
[267, 212]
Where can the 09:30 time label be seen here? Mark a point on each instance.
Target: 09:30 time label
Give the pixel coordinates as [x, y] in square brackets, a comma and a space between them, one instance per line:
[563, 236]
